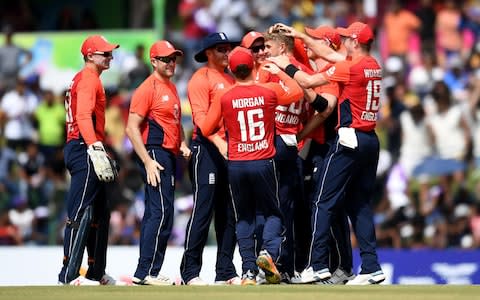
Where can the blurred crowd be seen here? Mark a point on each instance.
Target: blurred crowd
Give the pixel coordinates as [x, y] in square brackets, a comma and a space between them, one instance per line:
[428, 191]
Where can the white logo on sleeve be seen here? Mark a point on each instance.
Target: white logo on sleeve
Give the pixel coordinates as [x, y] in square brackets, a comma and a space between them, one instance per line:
[211, 178]
[330, 71]
[165, 98]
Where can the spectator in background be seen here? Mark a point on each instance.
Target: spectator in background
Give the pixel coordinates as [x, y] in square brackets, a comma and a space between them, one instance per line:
[8, 184]
[400, 27]
[451, 139]
[9, 233]
[18, 106]
[50, 120]
[396, 95]
[114, 120]
[427, 15]
[448, 36]
[32, 175]
[137, 69]
[22, 217]
[231, 17]
[196, 24]
[10, 61]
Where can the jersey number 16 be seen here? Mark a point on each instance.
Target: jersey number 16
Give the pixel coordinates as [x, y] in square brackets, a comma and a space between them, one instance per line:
[256, 129]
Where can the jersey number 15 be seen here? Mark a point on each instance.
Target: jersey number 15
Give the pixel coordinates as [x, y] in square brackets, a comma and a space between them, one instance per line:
[373, 95]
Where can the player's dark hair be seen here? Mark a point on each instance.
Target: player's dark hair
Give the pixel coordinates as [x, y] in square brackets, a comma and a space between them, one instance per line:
[366, 47]
[242, 71]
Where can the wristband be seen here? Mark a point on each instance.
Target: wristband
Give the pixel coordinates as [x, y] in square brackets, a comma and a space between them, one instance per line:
[319, 104]
[291, 70]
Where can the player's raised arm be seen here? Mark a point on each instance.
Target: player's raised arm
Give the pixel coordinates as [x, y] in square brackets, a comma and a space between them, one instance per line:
[305, 80]
[319, 49]
[288, 93]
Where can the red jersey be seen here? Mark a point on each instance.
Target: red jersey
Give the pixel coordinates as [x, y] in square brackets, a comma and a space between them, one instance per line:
[332, 88]
[288, 117]
[249, 117]
[158, 102]
[203, 86]
[85, 104]
[360, 80]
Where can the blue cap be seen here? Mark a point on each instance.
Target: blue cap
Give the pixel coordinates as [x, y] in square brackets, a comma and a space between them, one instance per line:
[210, 41]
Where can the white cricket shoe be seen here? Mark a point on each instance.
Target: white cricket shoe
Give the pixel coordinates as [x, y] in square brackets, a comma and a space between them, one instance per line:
[341, 276]
[197, 281]
[232, 281]
[109, 280]
[153, 280]
[309, 275]
[81, 280]
[296, 278]
[260, 279]
[366, 279]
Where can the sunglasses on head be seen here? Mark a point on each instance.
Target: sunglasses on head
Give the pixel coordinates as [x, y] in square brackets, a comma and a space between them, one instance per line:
[166, 59]
[256, 49]
[104, 54]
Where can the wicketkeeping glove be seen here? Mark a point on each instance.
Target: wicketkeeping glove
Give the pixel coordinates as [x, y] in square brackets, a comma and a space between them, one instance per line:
[105, 167]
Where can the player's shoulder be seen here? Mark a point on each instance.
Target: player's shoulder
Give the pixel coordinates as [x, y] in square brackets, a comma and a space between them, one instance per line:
[198, 78]
[88, 77]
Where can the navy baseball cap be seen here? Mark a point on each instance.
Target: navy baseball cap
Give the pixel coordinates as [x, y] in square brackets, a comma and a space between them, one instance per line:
[210, 41]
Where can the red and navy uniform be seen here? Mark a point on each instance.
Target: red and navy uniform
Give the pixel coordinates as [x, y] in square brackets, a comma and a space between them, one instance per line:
[158, 102]
[208, 172]
[249, 118]
[348, 175]
[322, 138]
[287, 125]
[85, 103]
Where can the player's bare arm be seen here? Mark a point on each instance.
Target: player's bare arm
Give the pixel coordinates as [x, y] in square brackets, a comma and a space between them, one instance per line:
[319, 117]
[320, 49]
[304, 80]
[184, 149]
[152, 167]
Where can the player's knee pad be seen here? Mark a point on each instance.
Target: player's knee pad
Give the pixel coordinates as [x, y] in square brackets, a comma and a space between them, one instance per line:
[82, 229]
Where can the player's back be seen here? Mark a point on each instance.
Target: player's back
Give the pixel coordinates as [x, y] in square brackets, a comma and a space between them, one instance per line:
[362, 91]
[249, 117]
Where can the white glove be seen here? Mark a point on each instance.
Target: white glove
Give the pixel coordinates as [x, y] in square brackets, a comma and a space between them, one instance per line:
[347, 137]
[104, 166]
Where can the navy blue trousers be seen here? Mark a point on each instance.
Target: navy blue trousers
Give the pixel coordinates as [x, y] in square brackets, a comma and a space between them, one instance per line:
[340, 247]
[289, 180]
[348, 179]
[158, 216]
[85, 189]
[208, 172]
[254, 186]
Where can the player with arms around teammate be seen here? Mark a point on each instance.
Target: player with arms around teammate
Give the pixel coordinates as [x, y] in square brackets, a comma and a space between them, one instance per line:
[248, 111]
[90, 168]
[349, 170]
[156, 133]
[208, 170]
[287, 125]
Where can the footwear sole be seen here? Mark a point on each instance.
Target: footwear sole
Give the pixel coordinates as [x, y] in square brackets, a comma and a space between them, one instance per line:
[271, 273]
[249, 282]
[146, 282]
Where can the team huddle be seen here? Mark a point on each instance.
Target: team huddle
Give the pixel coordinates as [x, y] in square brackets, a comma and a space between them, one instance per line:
[283, 157]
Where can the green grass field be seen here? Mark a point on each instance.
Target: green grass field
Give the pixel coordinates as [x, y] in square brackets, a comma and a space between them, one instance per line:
[304, 292]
